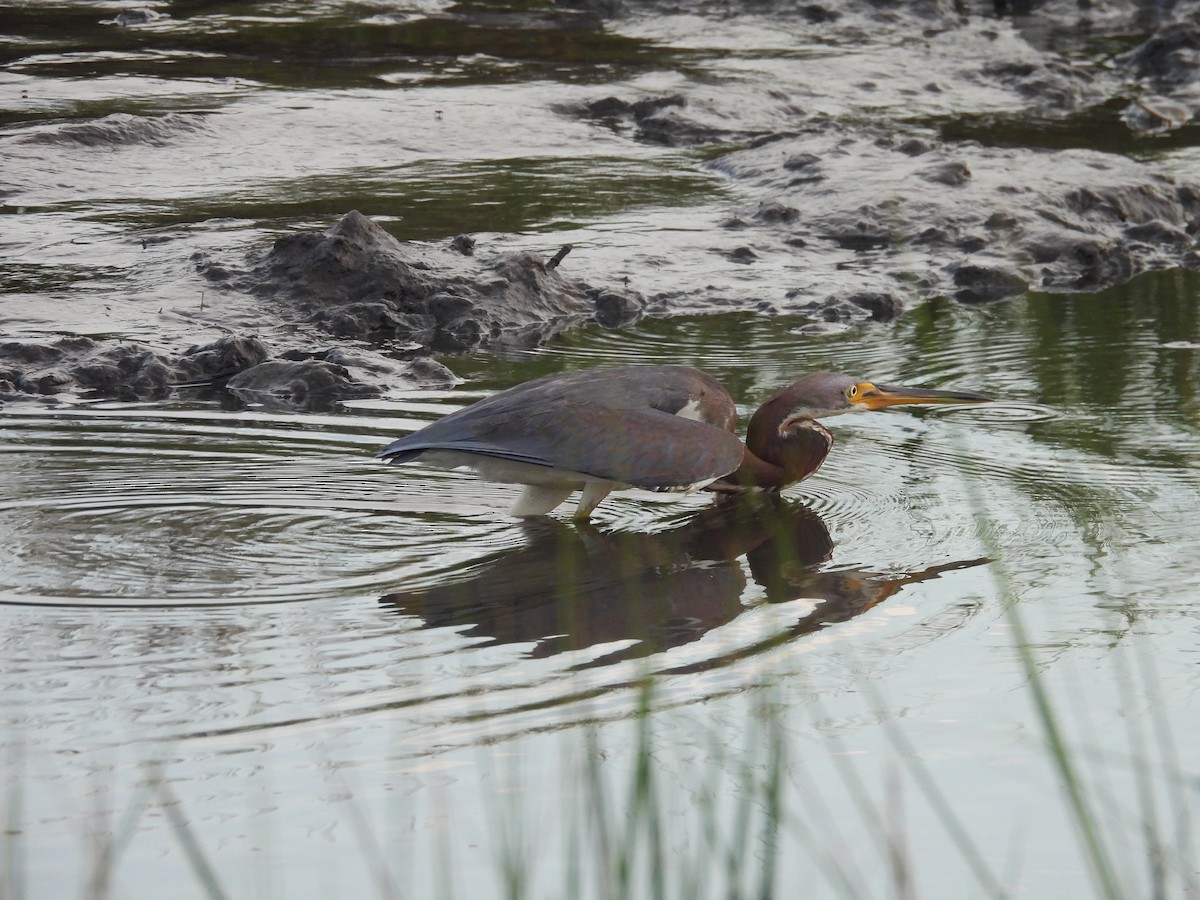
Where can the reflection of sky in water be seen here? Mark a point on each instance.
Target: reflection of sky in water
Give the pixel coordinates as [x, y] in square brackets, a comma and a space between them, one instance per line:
[335, 715]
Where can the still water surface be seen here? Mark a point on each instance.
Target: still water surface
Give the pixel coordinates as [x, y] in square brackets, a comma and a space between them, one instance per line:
[344, 676]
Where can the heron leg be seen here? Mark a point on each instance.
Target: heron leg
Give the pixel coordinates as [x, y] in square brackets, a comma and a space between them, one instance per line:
[539, 499]
[594, 493]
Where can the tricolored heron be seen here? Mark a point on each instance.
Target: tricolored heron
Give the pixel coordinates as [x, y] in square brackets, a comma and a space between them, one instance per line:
[665, 428]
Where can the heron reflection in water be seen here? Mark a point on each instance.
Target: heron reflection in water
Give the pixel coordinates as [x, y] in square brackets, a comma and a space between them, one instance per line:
[570, 588]
[665, 428]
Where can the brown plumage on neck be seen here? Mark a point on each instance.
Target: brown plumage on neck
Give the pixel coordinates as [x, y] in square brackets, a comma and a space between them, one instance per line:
[783, 446]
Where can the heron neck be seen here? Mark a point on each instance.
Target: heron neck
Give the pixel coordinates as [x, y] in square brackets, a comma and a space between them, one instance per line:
[772, 459]
[756, 472]
[784, 457]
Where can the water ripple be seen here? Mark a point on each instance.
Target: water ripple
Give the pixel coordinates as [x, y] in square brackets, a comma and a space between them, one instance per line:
[135, 508]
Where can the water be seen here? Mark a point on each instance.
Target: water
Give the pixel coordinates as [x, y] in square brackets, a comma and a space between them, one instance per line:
[322, 656]
[240, 654]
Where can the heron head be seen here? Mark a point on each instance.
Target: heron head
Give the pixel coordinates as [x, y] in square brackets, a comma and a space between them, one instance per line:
[824, 394]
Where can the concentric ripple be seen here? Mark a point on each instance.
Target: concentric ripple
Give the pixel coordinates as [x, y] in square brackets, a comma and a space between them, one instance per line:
[262, 575]
[325, 574]
[150, 508]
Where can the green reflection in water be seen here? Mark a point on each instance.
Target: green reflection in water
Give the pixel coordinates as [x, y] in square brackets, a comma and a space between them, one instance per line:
[1093, 128]
[1099, 423]
[1122, 366]
[337, 49]
[431, 200]
[31, 278]
[1129, 351]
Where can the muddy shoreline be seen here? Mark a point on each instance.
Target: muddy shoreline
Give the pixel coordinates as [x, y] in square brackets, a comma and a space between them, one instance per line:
[896, 211]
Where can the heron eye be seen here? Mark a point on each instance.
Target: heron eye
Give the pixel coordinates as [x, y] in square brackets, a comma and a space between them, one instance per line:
[852, 391]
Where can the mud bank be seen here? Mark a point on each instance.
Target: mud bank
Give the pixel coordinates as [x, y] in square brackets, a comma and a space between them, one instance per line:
[872, 212]
[357, 281]
[855, 160]
[921, 218]
[240, 367]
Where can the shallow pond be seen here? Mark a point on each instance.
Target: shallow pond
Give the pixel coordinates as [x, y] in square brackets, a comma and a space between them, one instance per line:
[346, 672]
[242, 657]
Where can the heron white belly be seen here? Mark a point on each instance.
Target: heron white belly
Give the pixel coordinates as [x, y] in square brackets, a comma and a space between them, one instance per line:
[545, 486]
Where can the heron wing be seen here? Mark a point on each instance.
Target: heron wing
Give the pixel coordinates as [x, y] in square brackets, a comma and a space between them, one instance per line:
[616, 424]
[643, 448]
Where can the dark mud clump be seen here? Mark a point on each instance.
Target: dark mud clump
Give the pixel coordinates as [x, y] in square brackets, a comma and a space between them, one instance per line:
[297, 383]
[125, 370]
[1167, 60]
[356, 280]
[241, 366]
[856, 306]
[353, 281]
[122, 129]
[652, 120]
[983, 284]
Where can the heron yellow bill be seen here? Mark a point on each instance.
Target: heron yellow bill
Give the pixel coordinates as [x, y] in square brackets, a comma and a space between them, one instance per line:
[881, 396]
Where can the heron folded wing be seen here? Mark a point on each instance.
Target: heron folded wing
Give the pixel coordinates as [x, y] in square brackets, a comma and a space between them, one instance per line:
[644, 448]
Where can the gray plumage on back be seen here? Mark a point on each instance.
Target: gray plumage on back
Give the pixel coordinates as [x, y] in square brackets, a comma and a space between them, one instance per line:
[621, 425]
[657, 427]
